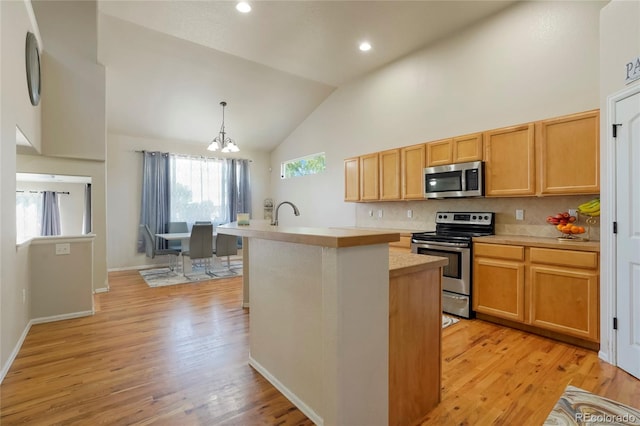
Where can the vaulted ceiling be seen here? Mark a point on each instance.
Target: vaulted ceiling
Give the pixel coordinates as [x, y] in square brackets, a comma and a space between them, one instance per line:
[170, 63]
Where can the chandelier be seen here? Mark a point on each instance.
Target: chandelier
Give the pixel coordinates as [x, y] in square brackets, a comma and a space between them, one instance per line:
[222, 141]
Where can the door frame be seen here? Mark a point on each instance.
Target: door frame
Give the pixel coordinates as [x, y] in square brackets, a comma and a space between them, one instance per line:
[608, 240]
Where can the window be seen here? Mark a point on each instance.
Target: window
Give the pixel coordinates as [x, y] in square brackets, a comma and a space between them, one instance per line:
[309, 165]
[198, 190]
[28, 215]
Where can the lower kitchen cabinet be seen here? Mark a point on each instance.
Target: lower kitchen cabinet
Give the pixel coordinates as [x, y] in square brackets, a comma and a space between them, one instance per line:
[498, 277]
[550, 291]
[564, 298]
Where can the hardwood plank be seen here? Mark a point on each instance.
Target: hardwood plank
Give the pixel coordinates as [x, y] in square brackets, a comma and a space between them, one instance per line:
[178, 356]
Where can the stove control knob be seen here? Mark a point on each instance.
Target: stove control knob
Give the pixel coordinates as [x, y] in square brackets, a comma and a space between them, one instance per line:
[439, 216]
[473, 217]
[486, 218]
[445, 216]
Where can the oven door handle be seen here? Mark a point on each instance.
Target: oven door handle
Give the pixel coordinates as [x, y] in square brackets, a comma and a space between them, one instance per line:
[441, 244]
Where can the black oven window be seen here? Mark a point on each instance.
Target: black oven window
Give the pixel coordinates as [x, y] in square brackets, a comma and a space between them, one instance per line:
[442, 182]
[454, 268]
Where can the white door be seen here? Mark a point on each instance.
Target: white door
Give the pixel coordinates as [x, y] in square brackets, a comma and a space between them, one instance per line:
[627, 115]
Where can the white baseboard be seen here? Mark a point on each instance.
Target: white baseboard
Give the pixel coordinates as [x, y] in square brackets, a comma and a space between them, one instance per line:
[53, 318]
[101, 290]
[14, 353]
[312, 415]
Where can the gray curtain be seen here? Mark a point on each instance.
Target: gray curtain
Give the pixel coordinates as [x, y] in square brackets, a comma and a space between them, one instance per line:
[238, 187]
[86, 218]
[50, 214]
[155, 205]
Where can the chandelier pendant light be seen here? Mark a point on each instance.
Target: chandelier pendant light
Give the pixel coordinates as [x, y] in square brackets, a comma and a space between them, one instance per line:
[222, 141]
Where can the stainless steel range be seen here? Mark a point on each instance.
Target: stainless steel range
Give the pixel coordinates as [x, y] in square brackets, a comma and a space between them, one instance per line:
[452, 239]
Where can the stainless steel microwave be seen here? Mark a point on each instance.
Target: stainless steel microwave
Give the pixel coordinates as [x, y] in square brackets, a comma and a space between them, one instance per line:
[454, 180]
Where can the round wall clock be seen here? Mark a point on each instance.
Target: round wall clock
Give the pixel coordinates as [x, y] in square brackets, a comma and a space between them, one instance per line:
[33, 68]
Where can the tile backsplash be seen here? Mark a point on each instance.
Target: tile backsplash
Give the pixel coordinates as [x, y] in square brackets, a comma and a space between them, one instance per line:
[536, 210]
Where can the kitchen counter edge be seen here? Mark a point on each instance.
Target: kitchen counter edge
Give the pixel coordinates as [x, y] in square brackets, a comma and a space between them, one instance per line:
[325, 237]
[545, 242]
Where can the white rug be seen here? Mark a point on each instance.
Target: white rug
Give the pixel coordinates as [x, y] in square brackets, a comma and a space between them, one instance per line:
[448, 320]
[578, 407]
[160, 277]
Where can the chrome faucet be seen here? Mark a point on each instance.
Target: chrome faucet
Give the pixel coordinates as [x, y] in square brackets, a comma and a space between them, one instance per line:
[295, 211]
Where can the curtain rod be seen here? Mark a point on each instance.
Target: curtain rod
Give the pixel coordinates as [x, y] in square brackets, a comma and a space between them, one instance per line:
[40, 192]
[194, 156]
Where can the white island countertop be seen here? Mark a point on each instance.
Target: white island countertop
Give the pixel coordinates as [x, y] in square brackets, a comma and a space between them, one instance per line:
[325, 237]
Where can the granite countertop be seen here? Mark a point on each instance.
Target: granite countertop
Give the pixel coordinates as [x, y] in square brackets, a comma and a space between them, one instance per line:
[404, 263]
[545, 242]
[325, 237]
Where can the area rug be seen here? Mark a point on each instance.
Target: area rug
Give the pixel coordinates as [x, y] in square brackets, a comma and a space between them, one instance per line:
[578, 407]
[160, 277]
[448, 320]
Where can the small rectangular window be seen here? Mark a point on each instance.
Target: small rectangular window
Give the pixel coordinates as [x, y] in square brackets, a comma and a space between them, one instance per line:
[308, 165]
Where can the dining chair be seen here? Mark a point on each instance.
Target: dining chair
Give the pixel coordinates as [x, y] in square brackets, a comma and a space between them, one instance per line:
[226, 245]
[200, 245]
[174, 228]
[151, 248]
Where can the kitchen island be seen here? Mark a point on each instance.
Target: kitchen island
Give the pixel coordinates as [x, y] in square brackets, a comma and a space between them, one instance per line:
[320, 315]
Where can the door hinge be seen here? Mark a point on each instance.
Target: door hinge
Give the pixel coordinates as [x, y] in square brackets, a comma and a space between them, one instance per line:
[614, 129]
[615, 227]
[615, 323]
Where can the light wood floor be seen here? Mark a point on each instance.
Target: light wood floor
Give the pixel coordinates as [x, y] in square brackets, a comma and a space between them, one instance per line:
[178, 356]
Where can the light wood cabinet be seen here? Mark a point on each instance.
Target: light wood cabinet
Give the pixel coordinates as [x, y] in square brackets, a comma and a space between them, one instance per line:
[468, 148]
[439, 152]
[460, 149]
[369, 177]
[550, 290]
[352, 179]
[498, 281]
[413, 164]
[564, 298]
[510, 161]
[389, 174]
[569, 154]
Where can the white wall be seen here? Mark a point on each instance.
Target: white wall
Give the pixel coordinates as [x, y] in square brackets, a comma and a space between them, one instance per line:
[619, 44]
[124, 184]
[531, 61]
[74, 85]
[15, 110]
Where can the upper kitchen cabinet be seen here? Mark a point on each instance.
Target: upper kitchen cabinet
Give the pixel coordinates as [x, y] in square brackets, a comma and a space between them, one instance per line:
[568, 152]
[352, 179]
[369, 177]
[389, 174]
[460, 149]
[510, 159]
[412, 164]
[467, 148]
[439, 152]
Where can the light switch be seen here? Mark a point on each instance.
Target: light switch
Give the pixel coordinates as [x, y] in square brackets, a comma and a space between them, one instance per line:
[64, 248]
[519, 214]
[379, 214]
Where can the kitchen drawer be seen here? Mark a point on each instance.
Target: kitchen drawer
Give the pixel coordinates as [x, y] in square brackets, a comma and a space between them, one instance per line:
[498, 251]
[571, 258]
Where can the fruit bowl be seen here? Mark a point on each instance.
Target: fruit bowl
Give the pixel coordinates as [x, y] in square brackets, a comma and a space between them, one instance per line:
[565, 224]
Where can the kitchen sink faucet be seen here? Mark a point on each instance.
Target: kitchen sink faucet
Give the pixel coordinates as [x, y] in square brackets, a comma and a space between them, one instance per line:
[295, 211]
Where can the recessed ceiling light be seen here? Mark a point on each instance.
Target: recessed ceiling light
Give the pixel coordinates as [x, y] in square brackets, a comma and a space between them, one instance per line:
[243, 7]
[365, 46]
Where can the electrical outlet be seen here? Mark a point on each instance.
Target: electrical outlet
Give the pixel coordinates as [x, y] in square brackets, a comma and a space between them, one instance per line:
[380, 214]
[409, 213]
[573, 212]
[519, 214]
[63, 249]
[370, 213]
